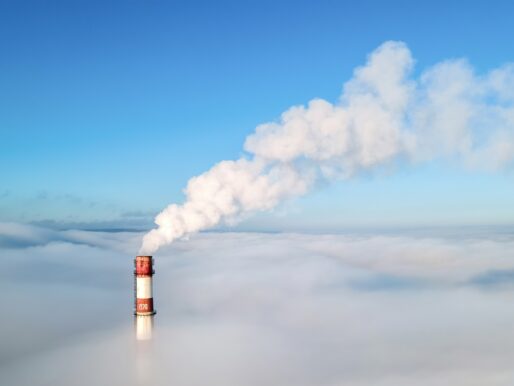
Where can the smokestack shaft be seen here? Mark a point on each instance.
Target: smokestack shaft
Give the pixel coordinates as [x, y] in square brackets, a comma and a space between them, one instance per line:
[143, 285]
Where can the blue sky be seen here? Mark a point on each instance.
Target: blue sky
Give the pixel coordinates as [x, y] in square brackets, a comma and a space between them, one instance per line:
[108, 108]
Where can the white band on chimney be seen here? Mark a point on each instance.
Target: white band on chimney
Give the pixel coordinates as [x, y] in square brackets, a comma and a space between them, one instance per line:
[144, 287]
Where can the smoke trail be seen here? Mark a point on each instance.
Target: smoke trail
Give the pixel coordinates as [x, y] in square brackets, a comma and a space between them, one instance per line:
[384, 113]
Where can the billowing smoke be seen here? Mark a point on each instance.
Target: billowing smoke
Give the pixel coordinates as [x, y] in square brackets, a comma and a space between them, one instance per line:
[384, 114]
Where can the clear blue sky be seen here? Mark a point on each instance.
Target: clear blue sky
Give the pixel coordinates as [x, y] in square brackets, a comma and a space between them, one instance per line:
[108, 107]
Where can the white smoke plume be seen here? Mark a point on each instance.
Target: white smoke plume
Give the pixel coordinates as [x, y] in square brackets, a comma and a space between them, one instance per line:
[385, 113]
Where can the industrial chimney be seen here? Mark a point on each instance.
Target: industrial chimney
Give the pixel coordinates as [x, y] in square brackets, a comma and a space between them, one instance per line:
[143, 296]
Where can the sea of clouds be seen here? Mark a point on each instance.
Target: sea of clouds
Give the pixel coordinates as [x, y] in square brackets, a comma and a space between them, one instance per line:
[420, 308]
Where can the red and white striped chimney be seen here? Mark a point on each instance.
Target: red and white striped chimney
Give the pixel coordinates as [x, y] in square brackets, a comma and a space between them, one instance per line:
[143, 304]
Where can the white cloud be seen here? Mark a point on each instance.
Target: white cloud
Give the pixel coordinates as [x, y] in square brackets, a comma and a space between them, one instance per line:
[253, 309]
[384, 114]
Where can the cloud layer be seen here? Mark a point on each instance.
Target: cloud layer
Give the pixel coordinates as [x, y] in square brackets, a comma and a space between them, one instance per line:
[253, 309]
[385, 114]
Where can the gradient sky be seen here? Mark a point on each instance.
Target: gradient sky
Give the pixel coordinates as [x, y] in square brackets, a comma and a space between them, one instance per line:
[107, 108]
